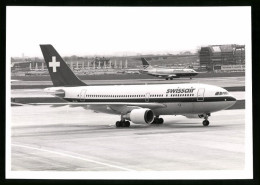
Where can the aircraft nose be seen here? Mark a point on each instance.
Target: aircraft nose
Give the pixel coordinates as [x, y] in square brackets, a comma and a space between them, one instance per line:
[232, 98]
[46, 90]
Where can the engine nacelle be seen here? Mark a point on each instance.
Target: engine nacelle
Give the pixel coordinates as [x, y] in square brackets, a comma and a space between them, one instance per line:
[140, 116]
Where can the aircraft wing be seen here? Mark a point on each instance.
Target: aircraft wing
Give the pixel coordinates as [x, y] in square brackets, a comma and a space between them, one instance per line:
[76, 104]
[114, 107]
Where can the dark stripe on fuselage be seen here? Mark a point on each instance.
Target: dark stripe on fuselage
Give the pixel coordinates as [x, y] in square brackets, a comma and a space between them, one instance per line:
[157, 100]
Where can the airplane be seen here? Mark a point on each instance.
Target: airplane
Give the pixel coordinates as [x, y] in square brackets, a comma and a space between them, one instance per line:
[140, 104]
[166, 73]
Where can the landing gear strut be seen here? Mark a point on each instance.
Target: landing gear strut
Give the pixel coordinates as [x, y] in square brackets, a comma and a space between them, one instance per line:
[122, 123]
[157, 120]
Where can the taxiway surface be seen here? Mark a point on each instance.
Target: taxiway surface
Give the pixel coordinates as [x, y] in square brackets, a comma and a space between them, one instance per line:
[219, 81]
[73, 139]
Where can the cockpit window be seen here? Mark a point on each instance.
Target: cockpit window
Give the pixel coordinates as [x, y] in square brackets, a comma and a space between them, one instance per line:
[221, 93]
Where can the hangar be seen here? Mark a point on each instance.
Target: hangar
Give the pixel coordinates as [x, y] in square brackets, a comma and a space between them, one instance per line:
[219, 55]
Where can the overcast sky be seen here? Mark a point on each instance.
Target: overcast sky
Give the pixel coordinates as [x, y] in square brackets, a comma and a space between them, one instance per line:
[124, 30]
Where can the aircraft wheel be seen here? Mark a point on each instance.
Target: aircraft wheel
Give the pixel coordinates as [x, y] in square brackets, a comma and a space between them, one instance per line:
[166, 78]
[205, 123]
[160, 121]
[118, 124]
[127, 124]
[155, 121]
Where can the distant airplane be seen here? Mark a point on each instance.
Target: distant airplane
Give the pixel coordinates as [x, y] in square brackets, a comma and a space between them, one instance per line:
[141, 104]
[167, 73]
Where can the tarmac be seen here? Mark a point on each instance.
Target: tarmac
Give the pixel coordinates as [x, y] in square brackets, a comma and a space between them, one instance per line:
[74, 139]
[218, 81]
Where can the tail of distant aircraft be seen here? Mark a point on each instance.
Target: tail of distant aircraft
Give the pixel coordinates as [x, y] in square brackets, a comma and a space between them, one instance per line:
[146, 65]
[61, 74]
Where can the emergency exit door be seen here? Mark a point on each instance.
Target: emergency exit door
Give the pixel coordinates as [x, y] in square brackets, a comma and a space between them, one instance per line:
[82, 94]
[147, 96]
[200, 95]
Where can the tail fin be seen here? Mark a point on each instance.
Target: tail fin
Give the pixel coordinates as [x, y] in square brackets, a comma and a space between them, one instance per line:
[61, 74]
[145, 63]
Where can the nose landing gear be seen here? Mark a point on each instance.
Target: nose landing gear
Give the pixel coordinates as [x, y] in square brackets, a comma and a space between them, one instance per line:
[206, 121]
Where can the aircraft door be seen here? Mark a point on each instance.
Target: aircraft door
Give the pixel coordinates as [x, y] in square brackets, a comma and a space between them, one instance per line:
[200, 95]
[82, 94]
[147, 96]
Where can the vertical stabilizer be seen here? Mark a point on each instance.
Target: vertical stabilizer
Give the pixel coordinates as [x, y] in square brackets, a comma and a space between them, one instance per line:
[61, 74]
[146, 65]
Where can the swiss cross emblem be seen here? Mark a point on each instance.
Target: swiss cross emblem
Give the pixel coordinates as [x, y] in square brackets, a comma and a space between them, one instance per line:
[54, 64]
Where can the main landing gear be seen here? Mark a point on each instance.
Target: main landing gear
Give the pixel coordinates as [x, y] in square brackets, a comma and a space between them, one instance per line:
[123, 123]
[157, 120]
[206, 121]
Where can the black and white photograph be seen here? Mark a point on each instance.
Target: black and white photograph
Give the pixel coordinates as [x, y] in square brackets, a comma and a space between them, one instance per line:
[104, 92]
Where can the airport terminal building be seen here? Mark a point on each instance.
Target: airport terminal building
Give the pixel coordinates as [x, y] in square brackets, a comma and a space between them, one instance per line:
[229, 56]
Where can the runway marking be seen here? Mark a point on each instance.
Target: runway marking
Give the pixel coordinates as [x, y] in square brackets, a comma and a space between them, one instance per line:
[71, 156]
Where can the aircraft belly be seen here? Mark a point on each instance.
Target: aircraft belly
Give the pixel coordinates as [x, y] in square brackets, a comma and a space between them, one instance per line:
[176, 108]
[201, 107]
[192, 108]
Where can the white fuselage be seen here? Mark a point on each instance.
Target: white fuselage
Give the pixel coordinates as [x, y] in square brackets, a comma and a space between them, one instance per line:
[161, 72]
[170, 71]
[178, 99]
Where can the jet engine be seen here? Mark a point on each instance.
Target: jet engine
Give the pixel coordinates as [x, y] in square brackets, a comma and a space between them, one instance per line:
[140, 116]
